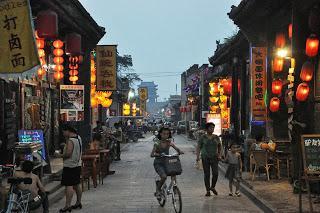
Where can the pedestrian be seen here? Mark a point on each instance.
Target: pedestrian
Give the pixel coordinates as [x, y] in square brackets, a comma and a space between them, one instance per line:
[71, 168]
[118, 136]
[209, 146]
[96, 142]
[234, 171]
[38, 193]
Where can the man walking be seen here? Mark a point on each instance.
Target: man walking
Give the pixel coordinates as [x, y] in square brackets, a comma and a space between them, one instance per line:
[209, 146]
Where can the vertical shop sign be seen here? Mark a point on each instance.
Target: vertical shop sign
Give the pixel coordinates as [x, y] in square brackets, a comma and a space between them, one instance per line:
[17, 44]
[106, 67]
[258, 83]
[72, 102]
[143, 93]
[143, 107]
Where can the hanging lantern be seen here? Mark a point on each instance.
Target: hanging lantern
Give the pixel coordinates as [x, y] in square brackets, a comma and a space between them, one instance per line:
[290, 31]
[106, 103]
[40, 43]
[58, 60]
[73, 67]
[73, 78]
[47, 24]
[312, 45]
[58, 44]
[276, 87]
[41, 72]
[307, 70]
[41, 53]
[58, 52]
[314, 19]
[274, 104]
[73, 72]
[126, 106]
[227, 86]
[280, 40]
[213, 99]
[58, 68]
[213, 88]
[126, 112]
[43, 61]
[58, 75]
[302, 92]
[74, 59]
[277, 64]
[73, 44]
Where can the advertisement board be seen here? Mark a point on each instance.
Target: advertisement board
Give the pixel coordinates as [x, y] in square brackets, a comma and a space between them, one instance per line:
[216, 119]
[72, 102]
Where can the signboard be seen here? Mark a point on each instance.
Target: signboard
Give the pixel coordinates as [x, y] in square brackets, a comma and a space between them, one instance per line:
[143, 107]
[143, 93]
[17, 44]
[33, 136]
[310, 146]
[72, 102]
[216, 119]
[106, 67]
[258, 83]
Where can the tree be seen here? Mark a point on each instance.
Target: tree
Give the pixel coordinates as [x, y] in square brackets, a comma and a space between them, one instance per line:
[125, 69]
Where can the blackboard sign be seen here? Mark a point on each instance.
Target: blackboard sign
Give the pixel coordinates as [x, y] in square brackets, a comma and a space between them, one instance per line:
[310, 145]
[32, 136]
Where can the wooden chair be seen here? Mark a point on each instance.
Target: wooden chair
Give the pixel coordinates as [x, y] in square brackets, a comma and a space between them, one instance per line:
[98, 164]
[261, 159]
[86, 172]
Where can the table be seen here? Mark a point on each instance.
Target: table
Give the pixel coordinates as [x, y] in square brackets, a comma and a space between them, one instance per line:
[283, 155]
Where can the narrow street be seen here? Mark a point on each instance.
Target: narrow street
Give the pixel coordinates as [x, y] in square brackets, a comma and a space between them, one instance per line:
[131, 188]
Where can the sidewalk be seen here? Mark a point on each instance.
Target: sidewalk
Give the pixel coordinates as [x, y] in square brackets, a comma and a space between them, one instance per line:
[275, 195]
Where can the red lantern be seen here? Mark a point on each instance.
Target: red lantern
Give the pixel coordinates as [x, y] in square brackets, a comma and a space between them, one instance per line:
[302, 92]
[40, 43]
[276, 87]
[74, 59]
[58, 52]
[73, 78]
[58, 75]
[41, 53]
[47, 24]
[312, 45]
[73, 72]
[41, 71]
[278, 64]
[58, 68]
[227, 86]
[307, 71]
[73, 67]
[73, 44]
[290, 31]
[58, 44]
[274, 104]
[280, 40]
[58, 60]
[42, 61]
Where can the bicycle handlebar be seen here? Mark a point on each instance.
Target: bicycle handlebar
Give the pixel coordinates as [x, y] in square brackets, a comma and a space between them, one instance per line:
[172, 155]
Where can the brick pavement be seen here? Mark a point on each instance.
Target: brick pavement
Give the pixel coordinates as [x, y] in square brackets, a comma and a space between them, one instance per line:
[131, 188]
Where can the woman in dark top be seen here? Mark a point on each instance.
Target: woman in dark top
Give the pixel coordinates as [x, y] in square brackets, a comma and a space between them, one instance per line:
[161, 146]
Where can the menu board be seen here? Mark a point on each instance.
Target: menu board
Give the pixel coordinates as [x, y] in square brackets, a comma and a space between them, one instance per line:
[310, 145]
[32, 136]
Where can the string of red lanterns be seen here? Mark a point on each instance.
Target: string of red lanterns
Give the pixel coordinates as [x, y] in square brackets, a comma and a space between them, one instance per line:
[58, 59]
[73, 66]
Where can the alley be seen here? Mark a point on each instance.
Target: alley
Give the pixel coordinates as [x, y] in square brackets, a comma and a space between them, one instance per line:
[131, 188]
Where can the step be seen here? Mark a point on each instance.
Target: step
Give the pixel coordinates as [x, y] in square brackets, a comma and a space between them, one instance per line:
[53, 186]
[56, 196]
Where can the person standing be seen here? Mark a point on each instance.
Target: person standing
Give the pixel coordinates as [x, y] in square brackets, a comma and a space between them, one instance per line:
[209, 146]
[118, 136]
[71, 168]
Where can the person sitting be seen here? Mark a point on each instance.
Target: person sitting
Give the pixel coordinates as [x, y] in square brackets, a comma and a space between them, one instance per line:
[38, 194]
[96, 142]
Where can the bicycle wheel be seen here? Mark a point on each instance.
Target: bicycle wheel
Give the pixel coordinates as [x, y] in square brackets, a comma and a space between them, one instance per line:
[163, 198]
[176, 200]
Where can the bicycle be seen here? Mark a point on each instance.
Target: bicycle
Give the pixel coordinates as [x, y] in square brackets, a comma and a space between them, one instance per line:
[18, 201]
[172, 164]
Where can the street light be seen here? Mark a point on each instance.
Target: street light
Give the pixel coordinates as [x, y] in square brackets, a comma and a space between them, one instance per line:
[131, 94]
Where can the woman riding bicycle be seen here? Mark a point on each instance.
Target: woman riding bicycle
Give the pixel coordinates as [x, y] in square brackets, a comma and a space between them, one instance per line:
[161, 146]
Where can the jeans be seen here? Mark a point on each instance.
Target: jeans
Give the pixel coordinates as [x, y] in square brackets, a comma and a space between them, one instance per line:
[207, 164]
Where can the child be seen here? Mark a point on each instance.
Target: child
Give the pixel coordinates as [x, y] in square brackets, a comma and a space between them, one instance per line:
[233, 158]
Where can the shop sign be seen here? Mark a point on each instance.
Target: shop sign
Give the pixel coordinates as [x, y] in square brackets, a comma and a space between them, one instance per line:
[143, 107]
[216, 119]
[33, 136]
[310, 145]
[106, 67]
[258, 83]
[18, 50]
[143, 93]
[72, 102]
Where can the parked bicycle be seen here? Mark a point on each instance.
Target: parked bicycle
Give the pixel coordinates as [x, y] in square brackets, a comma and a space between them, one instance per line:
[173, 168]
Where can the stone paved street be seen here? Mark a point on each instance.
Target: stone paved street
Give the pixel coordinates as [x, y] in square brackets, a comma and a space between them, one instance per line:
[131, 188]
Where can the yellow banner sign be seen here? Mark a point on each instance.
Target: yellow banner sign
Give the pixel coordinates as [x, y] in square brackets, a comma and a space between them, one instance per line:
[143, 107]
[143, 93]
[17, 44]
[106, 67]
[259, 83]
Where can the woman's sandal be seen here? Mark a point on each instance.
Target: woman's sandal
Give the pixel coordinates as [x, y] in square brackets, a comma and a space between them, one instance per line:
[77, 206]
[69, 209]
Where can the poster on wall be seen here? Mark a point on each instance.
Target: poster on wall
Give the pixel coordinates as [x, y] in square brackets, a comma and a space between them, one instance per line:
[106, 73]
[258, 83]
[72, 102]
[216, 119]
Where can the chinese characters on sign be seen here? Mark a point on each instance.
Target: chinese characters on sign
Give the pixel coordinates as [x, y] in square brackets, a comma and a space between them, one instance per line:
[72, 102]
[310, 146]
[143, 93]
[106, 67]
[143, 107]
[33, 136]
[258, 80]
[18, 50]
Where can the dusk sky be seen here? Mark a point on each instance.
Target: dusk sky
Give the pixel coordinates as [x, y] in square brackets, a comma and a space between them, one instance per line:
[164, 37]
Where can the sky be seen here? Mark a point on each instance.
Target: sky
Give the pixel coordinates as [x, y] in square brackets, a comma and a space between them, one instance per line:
[164, 37]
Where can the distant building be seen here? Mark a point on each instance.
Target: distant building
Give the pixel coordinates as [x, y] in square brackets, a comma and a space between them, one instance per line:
[152, 90]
